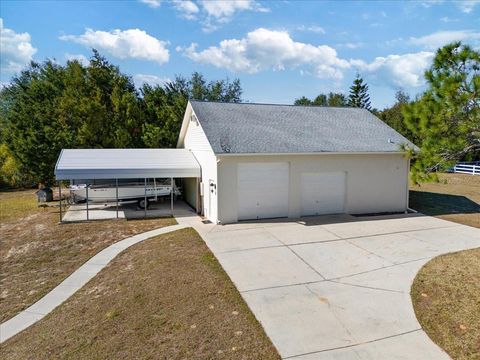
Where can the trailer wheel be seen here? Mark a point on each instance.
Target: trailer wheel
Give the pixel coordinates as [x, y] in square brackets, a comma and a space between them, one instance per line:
[142, 204]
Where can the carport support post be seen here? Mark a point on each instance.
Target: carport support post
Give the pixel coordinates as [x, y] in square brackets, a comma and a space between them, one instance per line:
[116, 194]
[60, 198]
[86, 202]
[171, 195]
[145, 203]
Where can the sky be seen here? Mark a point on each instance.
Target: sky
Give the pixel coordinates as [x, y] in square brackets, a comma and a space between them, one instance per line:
[280, 50]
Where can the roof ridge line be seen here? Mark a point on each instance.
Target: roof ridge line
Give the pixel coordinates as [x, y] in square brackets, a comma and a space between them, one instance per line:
[273, 104]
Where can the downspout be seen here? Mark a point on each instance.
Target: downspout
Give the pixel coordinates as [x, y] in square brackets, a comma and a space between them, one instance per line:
[407, 197]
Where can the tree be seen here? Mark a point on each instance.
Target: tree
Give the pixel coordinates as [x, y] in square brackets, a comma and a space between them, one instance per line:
[332, 99]
[359, 94]
[164, 107]
[232, 91]
[446, 118]
[197, 88]
[10, 173]
[49, 106]
[393, 116]
[337, 99]
[303, 101]
[29, 107]
[320, 100]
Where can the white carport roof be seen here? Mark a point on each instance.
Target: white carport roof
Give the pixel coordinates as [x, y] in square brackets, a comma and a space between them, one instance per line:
[125, 164]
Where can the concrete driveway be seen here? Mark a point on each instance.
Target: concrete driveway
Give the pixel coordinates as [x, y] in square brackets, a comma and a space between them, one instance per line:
[337, 287]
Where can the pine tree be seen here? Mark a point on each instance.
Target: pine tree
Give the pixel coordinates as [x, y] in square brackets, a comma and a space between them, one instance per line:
[446, 118]
[359, 94]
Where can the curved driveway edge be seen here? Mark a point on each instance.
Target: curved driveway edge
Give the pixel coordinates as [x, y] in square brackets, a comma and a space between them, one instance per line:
[74, 282]
[338, 287]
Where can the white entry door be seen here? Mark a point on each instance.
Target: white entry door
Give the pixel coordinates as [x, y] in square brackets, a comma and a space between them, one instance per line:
[323, 193]
[262, 190]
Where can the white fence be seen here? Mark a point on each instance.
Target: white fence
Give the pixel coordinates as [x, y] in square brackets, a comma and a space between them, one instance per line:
[472, 168]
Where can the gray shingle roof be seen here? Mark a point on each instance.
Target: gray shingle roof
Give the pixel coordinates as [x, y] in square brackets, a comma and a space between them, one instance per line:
[263, 128]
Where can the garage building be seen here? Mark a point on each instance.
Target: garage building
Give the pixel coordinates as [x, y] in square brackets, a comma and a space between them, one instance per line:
[263, 161]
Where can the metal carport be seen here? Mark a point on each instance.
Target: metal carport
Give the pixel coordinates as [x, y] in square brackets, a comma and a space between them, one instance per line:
[117, 164]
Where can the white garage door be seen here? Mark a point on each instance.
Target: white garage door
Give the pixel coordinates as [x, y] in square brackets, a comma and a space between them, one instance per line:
[262, 190]
[323, 193]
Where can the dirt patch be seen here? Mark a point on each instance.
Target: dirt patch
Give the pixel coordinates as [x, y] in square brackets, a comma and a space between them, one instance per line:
[37, 253]
[176, 303]
[446, 299]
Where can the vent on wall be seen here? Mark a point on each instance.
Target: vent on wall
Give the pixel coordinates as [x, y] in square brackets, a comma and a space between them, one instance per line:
[194, 119]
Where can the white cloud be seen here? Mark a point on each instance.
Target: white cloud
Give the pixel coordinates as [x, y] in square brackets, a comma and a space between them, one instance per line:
[467, 6]
[213, 13]
[123, 44]
[15, 49]
[264, 49]
[314, 29]
[447, 19]
[429, 3]
[82, 59]
[395, 42]
[152, 3]
[441, 38]
[351, 45]
[187, 8]
[223, 10]
[141, 79]
[399, 70]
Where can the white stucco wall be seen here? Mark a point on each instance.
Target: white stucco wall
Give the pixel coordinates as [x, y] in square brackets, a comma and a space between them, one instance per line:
[190, 191]
[375, 182]
[196, 141]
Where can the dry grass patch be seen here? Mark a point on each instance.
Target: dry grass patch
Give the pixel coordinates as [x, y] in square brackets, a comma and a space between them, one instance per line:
[446, 298]
[456, 197]
[164, 298]
[37, 253]
[446, 291]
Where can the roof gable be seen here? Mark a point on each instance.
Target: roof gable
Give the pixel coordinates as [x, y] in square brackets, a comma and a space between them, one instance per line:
[263, 128]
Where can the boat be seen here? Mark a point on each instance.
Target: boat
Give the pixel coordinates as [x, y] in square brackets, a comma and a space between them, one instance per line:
[126, 192]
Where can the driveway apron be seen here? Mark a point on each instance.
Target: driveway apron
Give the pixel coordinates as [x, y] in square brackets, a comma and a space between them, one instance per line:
[337, 287]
